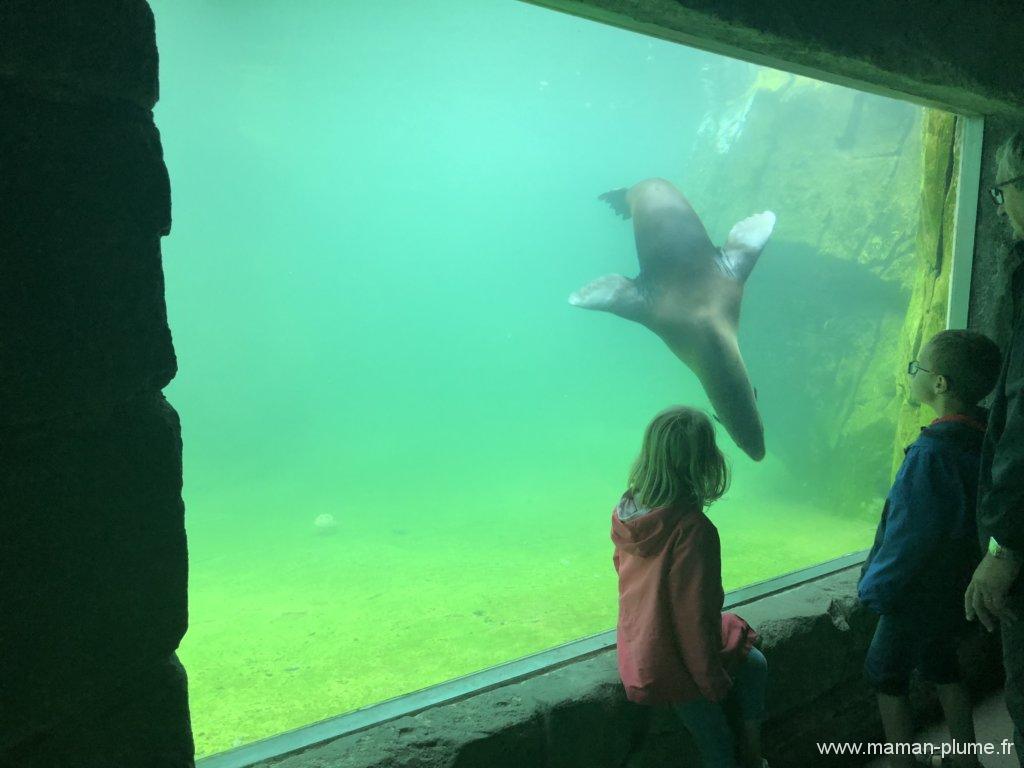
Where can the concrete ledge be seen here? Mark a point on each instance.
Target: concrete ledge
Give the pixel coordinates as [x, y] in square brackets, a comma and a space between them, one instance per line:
[814, 637]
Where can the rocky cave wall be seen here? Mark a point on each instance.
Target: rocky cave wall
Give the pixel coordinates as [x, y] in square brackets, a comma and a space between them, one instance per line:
[92, 540]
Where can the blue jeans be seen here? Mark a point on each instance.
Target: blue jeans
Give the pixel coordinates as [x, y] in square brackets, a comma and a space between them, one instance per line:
[707, 721]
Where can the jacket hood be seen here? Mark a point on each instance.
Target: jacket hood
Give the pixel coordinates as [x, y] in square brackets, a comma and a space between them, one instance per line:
[645, 532]
[966, 433]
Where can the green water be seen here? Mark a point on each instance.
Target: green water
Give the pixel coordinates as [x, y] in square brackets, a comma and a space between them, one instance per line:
[379, 212]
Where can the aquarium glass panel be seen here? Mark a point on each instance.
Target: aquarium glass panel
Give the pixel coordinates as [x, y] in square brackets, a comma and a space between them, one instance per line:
[402, 444]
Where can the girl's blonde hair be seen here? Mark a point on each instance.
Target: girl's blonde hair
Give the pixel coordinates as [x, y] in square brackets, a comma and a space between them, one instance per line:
[679, 463]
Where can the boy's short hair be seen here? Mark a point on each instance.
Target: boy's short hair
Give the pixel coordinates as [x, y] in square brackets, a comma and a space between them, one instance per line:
[970, 362]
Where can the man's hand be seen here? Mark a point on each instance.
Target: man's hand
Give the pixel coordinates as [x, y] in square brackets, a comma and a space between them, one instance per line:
[986, 594]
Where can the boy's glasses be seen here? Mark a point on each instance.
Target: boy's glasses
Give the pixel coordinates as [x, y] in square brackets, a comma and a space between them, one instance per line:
[913, 367]
[997, 191]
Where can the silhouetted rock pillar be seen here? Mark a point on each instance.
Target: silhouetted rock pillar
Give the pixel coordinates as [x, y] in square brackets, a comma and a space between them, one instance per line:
[93, 563]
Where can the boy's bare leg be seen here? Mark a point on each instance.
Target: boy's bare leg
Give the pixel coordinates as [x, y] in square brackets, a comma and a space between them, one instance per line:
[898, 722]
[956, 706]
[750, 744]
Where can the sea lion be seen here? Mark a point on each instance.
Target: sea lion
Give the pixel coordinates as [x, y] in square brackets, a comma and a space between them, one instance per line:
[689, 293]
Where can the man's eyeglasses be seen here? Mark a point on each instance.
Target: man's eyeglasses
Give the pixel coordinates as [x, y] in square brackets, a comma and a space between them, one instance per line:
[997, 190]
[913, 367]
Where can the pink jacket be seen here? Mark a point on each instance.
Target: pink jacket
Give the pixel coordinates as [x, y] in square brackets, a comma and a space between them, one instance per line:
[674, 642]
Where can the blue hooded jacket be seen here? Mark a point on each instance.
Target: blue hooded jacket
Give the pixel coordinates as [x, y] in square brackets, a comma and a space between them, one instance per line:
[926, 546]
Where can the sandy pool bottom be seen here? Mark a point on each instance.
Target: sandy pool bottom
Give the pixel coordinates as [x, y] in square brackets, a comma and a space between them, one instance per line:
[289, 625]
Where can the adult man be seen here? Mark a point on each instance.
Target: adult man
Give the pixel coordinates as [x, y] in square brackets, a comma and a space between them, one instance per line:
[997, 589]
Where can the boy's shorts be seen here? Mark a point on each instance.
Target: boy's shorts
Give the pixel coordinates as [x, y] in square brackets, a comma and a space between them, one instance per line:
[903, 643]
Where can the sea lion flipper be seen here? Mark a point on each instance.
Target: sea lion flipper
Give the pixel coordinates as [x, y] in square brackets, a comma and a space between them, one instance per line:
[611, 293]
[746, 240]
[616, 198]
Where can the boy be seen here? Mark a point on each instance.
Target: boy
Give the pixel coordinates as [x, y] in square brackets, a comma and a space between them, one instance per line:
[926, 546]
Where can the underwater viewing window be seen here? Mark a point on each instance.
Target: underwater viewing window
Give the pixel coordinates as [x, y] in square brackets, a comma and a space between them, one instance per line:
[402, 445]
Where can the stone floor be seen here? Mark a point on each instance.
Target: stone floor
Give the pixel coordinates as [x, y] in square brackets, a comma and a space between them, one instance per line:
[992, 725]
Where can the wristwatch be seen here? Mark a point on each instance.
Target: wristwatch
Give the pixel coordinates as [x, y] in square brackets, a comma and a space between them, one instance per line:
[998, 550]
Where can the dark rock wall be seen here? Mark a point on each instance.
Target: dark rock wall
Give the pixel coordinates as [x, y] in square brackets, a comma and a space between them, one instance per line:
[92, 543]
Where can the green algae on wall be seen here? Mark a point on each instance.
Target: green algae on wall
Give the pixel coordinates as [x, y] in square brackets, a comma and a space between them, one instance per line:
[926, 314]
[848, 187]
[841, 264]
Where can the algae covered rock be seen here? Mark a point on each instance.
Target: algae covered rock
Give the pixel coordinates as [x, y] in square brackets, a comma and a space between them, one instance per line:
[852, 279]
[926, 314]
[840, 168]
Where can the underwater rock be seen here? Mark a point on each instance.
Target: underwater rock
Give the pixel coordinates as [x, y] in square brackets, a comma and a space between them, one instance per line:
[929, 302]
[325, 524]
[853, 263]
[849, 188]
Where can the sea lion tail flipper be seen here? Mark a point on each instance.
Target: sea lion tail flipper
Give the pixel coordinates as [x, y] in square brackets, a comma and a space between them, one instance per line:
[611, 293]
[746, 240]
[616, 198]
[720, 368]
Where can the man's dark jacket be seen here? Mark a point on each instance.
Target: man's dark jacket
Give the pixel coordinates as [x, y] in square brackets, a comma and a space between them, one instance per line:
[1001, 483]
